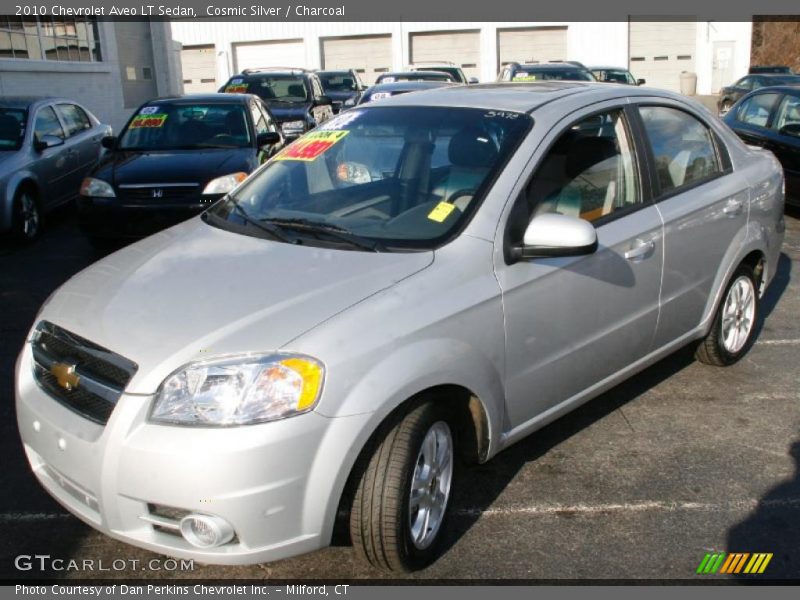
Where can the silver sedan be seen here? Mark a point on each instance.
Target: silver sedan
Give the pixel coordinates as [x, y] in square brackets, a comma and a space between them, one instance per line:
[427, 279]
[47, 145]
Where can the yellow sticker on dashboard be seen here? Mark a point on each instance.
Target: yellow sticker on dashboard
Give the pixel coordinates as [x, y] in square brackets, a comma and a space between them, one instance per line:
[311, 145]
[441, 211]
[236, 88]
[147, 121]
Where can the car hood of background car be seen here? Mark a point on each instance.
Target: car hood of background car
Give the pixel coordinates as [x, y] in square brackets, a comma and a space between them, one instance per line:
[286, 111]
[194, 292]
[340, 96]
[173, 166]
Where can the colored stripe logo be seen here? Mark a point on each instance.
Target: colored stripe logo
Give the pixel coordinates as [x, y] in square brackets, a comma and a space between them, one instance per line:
[734, 563]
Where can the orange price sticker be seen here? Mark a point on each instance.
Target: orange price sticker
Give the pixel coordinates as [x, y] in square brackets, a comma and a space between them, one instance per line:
[311, 145]
[237, 88]
[145, 121]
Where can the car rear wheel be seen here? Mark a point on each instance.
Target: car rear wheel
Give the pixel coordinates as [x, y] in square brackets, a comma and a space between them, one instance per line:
[27, 219]
[401, 499]
[733, 330]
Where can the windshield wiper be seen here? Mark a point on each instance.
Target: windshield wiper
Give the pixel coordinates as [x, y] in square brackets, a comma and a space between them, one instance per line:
[273, 231]
[334, 231]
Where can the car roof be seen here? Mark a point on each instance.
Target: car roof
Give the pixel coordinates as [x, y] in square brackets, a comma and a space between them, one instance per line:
[26, 101]
[208, 97]
[607, 68]
[522, 97]
[550, 66]
[410, 85]
[773, 89]
[418, 73]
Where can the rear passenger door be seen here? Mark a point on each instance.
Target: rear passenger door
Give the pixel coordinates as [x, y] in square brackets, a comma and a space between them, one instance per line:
[83, 141]
[704, 207]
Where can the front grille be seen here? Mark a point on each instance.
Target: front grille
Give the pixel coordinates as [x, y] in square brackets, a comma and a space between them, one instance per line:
[155, 193]
[165, 519]
[82, 376]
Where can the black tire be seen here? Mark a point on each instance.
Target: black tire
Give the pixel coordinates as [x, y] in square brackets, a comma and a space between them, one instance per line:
[26, 222]
[380, 527]
[712, 349]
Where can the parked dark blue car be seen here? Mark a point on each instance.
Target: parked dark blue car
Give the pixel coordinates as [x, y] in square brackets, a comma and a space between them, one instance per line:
[174, 158]
[770, 118]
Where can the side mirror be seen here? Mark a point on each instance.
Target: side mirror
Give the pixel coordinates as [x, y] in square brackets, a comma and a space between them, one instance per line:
[641, 81]
[553, 234]
[269, 138]
[323, 101]
[472, 80]
[42, 143]
[792, 129]
[109, 142]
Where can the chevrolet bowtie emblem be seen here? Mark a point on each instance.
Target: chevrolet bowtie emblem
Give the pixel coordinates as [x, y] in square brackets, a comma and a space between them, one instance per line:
[65, 375]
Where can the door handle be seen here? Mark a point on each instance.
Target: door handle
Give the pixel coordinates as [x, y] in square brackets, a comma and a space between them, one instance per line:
[733, 208]
[640, 249]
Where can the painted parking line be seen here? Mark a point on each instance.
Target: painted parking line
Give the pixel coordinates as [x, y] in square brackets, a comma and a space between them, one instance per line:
[10, 517]
[655, 505]
[778, 342]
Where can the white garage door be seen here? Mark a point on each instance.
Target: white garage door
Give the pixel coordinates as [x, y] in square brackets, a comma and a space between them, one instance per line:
[368, 55]
[199, 69]
[532, 44]
[252, 55]
[659, 51]
[459, 47]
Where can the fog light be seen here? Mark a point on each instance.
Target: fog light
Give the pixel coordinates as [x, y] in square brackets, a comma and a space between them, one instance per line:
[205, 531]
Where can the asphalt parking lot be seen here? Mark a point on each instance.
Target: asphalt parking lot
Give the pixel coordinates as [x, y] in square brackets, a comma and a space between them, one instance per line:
[682, 460]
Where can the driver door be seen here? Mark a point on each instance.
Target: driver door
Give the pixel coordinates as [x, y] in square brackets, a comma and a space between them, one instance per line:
[573, 321]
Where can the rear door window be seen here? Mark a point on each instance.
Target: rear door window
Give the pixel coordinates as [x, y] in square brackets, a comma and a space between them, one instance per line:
[787, 117]
[47, 123]
[682, 146]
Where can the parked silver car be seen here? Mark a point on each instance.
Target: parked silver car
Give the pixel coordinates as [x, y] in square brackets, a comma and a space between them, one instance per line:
[438, 275]
[47, 145]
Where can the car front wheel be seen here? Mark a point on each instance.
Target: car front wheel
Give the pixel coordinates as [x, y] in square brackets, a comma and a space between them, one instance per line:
[401, 499]
[27, 218]
[734, 326]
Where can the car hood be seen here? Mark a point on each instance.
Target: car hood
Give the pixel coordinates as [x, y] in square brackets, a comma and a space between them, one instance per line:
[283, 111]
[195, 291]
[175, 166]
[341, 96]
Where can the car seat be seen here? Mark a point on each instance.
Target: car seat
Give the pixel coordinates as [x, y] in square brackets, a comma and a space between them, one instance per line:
[471, 154]
[296, 90]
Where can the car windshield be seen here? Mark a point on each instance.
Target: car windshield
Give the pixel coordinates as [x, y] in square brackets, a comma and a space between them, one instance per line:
[185, 126]
[338, 82]
[552, 74]
[417, 76]
[271, 88]
[398, 177]
[12, 128]
[788, 80]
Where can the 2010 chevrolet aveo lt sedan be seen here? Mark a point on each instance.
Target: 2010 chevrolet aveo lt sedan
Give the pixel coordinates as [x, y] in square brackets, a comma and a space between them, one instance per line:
[428, 279]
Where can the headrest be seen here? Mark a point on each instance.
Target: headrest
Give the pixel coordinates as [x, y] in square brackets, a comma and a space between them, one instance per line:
[297, 90]
[585, 152]
[471, 148]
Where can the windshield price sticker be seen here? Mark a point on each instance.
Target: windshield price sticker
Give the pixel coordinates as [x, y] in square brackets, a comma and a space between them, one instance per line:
[237, 80]
[340, 121]
[143, 121]
[148, 110]
[311, 145]
[524, 77]
[236, 88]
[441, 211]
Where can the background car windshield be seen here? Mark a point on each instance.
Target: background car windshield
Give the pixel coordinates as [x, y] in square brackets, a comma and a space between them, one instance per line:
[405, 176]
[415, 77]
[338, 82]
[187, 126]
[552, 74]
[272, 88]
[788, 80]
[12, 128]
[614, 76]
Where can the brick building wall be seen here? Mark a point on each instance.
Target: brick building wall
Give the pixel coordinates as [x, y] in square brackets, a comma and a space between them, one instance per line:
[776, 41]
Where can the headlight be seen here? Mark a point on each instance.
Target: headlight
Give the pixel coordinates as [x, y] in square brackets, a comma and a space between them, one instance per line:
[97, 188]
[291, 127]
[239, 391]
[224, 184]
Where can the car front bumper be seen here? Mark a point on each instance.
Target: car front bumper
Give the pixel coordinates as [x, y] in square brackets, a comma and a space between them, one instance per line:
[112, 218]
[277, 484]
